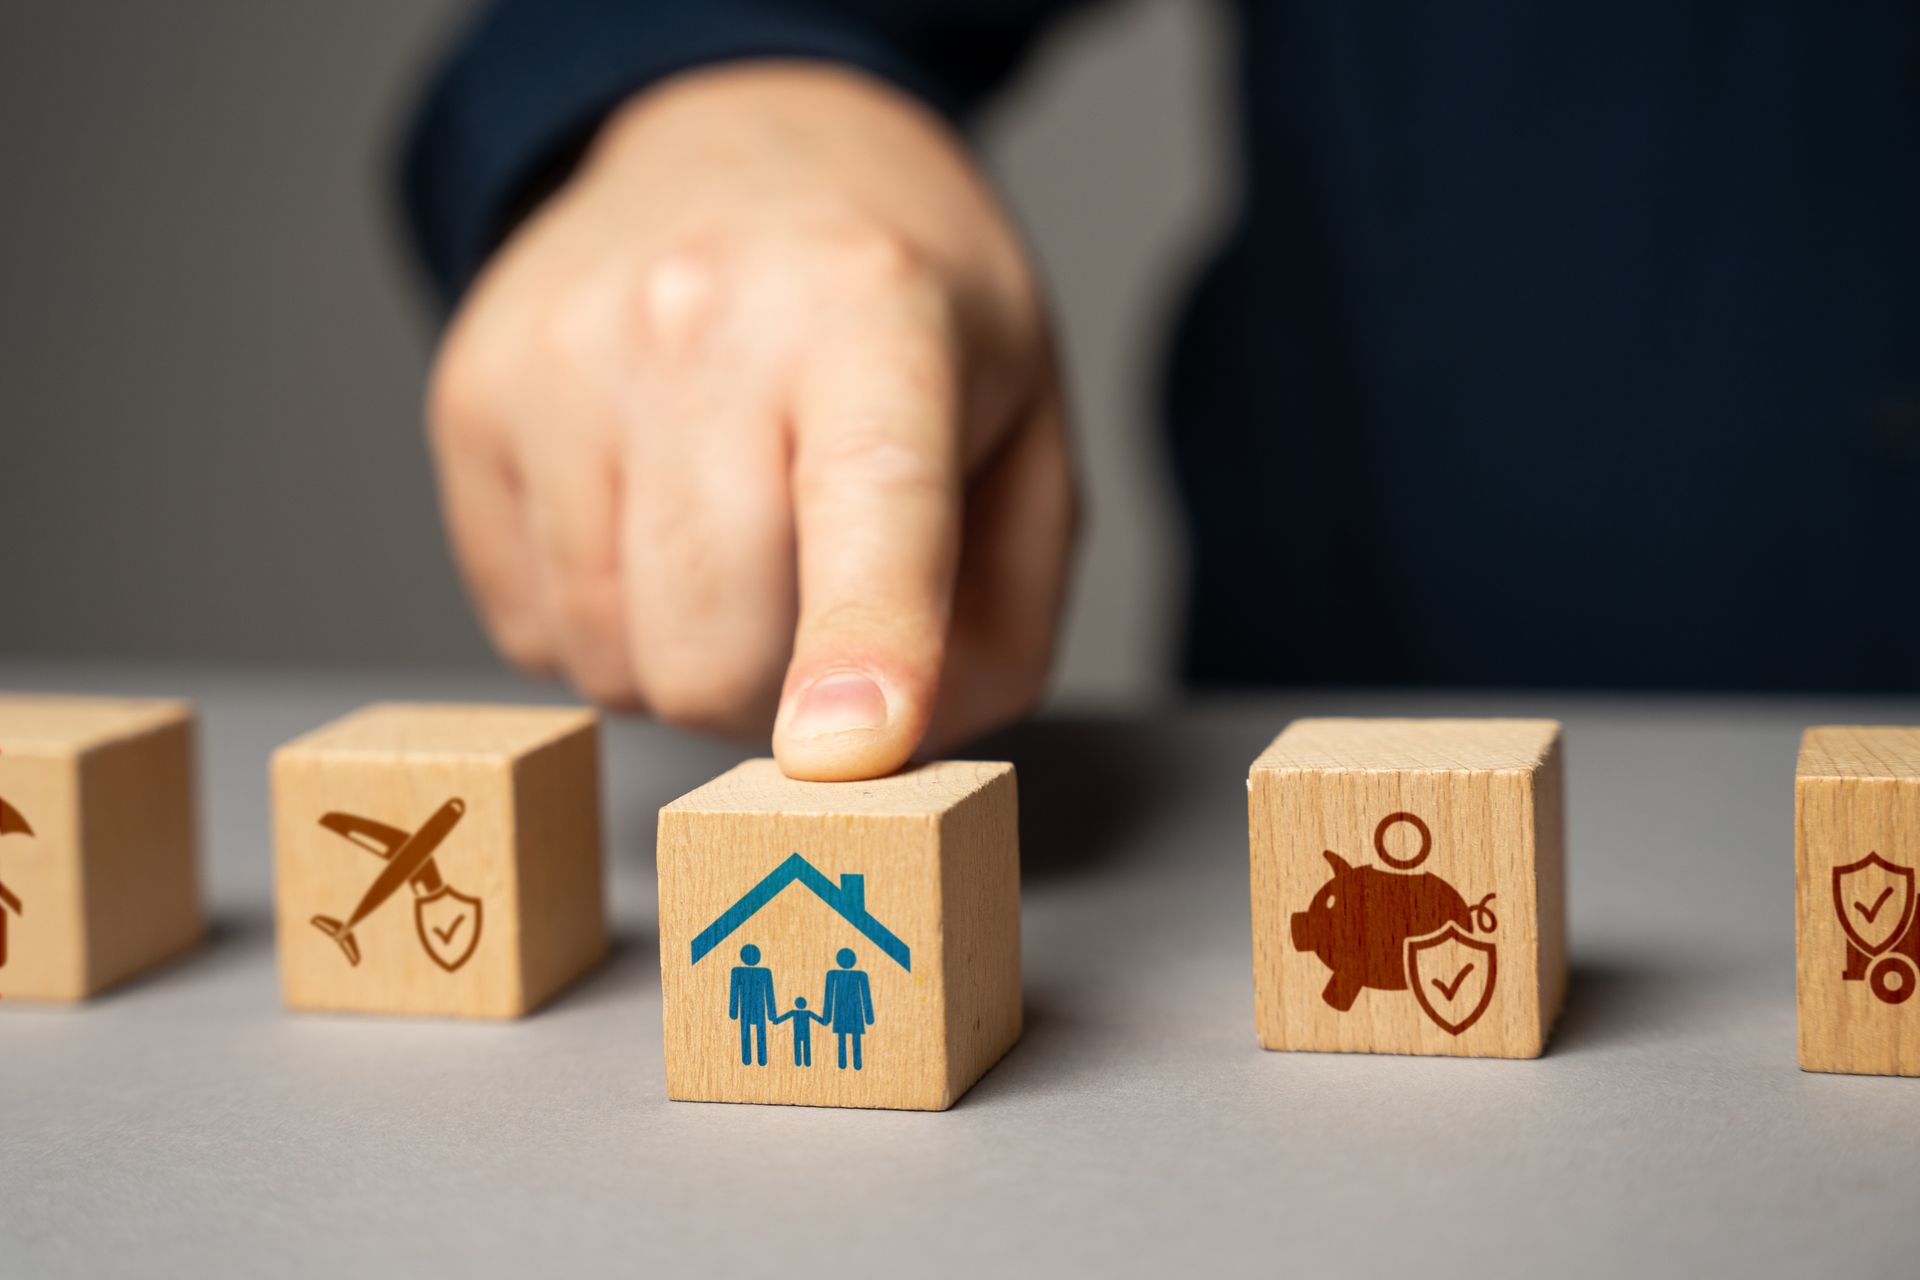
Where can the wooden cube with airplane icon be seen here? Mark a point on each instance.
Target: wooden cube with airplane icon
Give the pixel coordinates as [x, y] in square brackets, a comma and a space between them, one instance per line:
[98, 842]
[1408, 887]
[438, 859]
[846, 944]
[1856, 918]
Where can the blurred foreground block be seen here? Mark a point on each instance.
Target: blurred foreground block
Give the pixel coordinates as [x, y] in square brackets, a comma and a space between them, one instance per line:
[97, 842]
[1408, 887]
[438, 859]
[840, 944]
[1856, 925]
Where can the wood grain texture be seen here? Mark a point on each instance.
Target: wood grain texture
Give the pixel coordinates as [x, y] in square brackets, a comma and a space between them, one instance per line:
[527, 847]
[934, 853]
[1387, 941]
[108, 881]
[1857, 798]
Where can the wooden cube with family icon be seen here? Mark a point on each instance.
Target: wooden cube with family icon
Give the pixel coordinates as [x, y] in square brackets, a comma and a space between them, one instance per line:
[438, 860]
[842, 944]
[1408, 886]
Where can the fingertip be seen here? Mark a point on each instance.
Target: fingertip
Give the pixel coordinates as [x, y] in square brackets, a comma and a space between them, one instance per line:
[845, 726]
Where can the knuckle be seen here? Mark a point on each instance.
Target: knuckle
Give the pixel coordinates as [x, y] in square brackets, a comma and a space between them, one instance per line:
[568, 331]
[461, 387]
[850, 617]
[872, 459]
[669, 302]
[610, 695]
[877, 256]
[597, 672]
[905, 633]
[874, 267]
[521, 642]
[577, 534]
[587, 618]
[677, 298]
[858, 616]
[694, 692]
[586, 604]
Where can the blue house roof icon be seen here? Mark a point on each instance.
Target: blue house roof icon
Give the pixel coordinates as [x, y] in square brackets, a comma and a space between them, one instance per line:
[848, 898]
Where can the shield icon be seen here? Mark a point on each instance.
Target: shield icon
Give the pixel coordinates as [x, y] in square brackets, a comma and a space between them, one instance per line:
[1452, 976]
[1875, 901]
[449, 926]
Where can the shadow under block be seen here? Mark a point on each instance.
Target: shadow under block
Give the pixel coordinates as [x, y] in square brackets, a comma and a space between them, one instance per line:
[97, 842]
[438, 860]
[1409, 888]
[1856, 921]
[892, 908]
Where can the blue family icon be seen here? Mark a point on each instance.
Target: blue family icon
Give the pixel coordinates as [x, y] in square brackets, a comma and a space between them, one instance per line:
[750, 1001]
[802, 1031]
[849, 1005]
[848, 1009]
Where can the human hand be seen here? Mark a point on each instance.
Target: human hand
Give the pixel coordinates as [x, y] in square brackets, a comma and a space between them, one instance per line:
[761, 409]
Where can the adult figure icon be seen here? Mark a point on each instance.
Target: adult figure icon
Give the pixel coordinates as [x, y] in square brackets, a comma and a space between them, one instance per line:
[849, 1008]
[750, 1002]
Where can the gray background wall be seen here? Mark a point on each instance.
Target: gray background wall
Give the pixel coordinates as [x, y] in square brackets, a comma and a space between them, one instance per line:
[211, 347]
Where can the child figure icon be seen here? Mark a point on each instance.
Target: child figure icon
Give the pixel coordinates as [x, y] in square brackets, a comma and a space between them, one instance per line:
[802, 1030]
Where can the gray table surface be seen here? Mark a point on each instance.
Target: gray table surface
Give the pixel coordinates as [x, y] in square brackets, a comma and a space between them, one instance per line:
[187, 1125]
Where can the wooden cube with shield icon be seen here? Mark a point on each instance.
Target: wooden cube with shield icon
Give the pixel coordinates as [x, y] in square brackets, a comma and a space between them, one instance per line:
[1408, 887]
[1856, 920]
[846, 944]
[438, 860]
[98, 875]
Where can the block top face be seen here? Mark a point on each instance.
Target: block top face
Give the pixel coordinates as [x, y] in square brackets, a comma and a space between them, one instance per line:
[447, 731]
[924, 791]
[1403, 746]
[37, 724]
[1860, 751]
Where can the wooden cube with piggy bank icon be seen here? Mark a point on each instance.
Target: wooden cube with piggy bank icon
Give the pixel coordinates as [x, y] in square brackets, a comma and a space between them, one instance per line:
[1408, 886]
[845, 944]
[438, 860]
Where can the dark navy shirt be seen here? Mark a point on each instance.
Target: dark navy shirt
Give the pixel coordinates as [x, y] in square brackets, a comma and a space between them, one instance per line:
[1567, 344]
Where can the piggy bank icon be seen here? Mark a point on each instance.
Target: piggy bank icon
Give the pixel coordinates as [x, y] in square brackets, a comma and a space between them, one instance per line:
[1367, 925]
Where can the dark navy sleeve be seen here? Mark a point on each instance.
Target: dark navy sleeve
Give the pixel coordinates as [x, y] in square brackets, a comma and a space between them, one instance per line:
[529, 81]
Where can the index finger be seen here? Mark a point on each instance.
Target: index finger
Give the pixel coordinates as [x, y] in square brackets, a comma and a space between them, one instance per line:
[877, 507]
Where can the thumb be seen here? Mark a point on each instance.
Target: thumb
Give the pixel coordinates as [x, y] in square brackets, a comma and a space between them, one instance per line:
[877, 508]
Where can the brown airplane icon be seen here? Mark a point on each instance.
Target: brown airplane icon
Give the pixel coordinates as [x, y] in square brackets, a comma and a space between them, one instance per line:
[409, 858]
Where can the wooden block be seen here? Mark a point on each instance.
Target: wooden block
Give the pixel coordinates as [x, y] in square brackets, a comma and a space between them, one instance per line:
[1856, 920]
[891, 908]
[438, 859]
[97, 842]
[1409, 894]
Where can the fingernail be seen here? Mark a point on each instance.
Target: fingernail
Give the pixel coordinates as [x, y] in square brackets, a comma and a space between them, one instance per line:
[844, 702]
